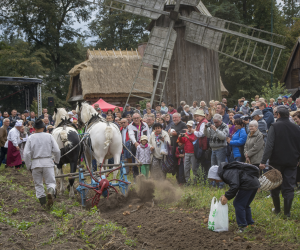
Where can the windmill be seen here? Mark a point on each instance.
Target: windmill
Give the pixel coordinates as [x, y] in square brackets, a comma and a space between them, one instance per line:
[239, 42]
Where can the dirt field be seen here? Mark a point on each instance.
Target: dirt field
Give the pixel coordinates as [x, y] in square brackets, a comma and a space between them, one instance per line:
[25, 225]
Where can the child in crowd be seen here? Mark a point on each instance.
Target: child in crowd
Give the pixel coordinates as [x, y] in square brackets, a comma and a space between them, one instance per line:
[243, 183]
[143, 154]
[31, 128]
[187, 139]
[180, 156]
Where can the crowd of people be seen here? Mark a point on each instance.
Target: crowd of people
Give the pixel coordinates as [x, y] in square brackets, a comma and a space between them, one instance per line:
[260, 133]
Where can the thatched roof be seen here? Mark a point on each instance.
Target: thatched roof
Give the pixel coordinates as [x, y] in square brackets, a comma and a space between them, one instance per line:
[110, 73]
[289, 62]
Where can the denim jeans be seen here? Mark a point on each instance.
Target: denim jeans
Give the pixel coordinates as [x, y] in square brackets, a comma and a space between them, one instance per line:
[241, 204]
[190, 160]
[217, 157]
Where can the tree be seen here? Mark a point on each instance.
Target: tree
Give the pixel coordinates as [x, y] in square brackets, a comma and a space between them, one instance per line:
[275, 91]
[291, 9]
[120, 30]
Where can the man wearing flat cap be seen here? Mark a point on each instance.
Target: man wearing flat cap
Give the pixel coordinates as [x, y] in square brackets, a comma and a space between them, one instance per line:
[38, 158]
[283, 151]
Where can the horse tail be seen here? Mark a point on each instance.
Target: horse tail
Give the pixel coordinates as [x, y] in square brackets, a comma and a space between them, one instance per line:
[108, 136]
[64, 138]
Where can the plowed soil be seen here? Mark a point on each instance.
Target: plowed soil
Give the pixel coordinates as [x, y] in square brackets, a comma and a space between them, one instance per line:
[149, 225]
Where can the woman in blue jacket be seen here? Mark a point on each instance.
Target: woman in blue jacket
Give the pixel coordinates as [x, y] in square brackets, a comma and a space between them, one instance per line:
[238, 141]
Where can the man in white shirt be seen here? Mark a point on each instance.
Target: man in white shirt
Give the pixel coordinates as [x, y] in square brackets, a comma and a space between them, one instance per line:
[12, 144]
[38, 158]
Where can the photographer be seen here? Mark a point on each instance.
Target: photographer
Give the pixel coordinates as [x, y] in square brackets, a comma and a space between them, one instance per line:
[257, 115]
[217, 134]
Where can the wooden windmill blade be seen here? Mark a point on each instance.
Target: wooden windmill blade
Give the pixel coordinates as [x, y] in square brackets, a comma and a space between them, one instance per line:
[237, 41]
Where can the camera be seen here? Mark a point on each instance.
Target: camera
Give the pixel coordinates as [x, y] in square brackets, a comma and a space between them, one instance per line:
[246, 117]
[251, 110]
[182, 135]
[208, 125]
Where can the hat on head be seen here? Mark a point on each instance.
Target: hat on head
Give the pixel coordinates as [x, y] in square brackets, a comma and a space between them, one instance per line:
[39, 124]
[279, 98]
[190, 123]
[19, 123]
[144, 137]
[256, 112]
[70, 113]
[282, 108]
[127, 105]
[199, 112]
[213, 173]
[98, 109]
[25, 111]
[285, 96]
[237, 116]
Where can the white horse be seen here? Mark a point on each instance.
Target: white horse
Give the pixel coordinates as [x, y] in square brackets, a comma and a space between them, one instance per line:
[67, 138]
[105, 137]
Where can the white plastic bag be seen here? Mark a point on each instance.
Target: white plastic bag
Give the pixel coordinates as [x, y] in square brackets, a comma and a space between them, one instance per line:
[218, 216]
[163, 149]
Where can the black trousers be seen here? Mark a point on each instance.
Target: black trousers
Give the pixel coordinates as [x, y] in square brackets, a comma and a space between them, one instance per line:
[3, 153]
[288, 182]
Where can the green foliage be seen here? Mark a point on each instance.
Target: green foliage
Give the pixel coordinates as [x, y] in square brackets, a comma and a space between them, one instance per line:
[23, 225]
[275, 91]
[108, 229]
[34, 106]
[130, 242]
[120, 30]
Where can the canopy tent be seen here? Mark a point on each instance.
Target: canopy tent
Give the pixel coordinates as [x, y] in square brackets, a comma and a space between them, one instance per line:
[106, 106]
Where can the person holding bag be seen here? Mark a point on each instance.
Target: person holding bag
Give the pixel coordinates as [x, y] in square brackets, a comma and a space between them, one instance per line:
[243, 183]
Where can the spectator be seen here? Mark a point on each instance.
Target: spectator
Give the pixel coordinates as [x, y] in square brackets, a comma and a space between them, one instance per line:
[231, 123]
[70, 116]
[116, 110]
[189, 159]
[135, 130]
[118, 122]
[171, 109]
[129, 118]
[162, 121]
[208, 117]
[13, 118]
[238, 141]
[5, 114]
[296, 118]
[12, 145]
[199, 117]
[158, 109]
[156, 140]
[126, 143]
[109, 112]
[256, 98]
[158, 115]
[221, 110]
[254, 146]
[180, 157]
[186, 115]
[268, 114]
[74, 113]
[127, 111]
[99, 112]
[26, 113]
[285, 99]
[32, 117]
[3, 139]
[291, 104]
[298, 104]
[194, 107]
[150, 122]
[253, 104]
[243, 185]
[245, 108]
[138, 109]
[204, 107]
[31, 128]
[177, 128]
[96, 105]
[216, 103]
[217, 134]
[272, 103]
[181, 107]
[143, 153]
[148, 106]
[279, 101]
[24, 120]
[283, 151]
[1, 119]
[145, 118]
[148, 111]
[45, 111]
[47, 123]
[109, 118]
[212, 108]
[169, 122]
[164, 108]
[224, 101]
[257, 115]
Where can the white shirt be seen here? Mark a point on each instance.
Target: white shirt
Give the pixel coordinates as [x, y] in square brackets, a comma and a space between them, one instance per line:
[14, 137]
[200, 133]
[39, 149]
[124, 131]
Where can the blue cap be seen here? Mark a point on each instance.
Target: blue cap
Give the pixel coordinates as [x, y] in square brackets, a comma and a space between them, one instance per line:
[285, 96]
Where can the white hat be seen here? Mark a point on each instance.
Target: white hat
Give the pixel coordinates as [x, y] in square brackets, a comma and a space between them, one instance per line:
[19, 123]
[190, 123]
[199, 112]
[213, 173]
[144, 137]
[70, 113]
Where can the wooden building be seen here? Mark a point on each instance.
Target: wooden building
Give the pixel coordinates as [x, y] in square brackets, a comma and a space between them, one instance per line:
[108, 75]
[194, 72]
[291, 74]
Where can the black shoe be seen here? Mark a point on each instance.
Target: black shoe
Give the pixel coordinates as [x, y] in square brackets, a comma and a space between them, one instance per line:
[43, 201]
[276, 202]
[287, 207]
[50, 197]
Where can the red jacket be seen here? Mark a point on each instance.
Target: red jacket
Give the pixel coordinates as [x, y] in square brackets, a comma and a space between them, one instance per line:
[177, 155]
[172, 112]
[203, 140]
[188, 143]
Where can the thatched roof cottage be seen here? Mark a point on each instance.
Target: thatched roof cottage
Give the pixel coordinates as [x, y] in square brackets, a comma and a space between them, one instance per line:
[108, 75]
